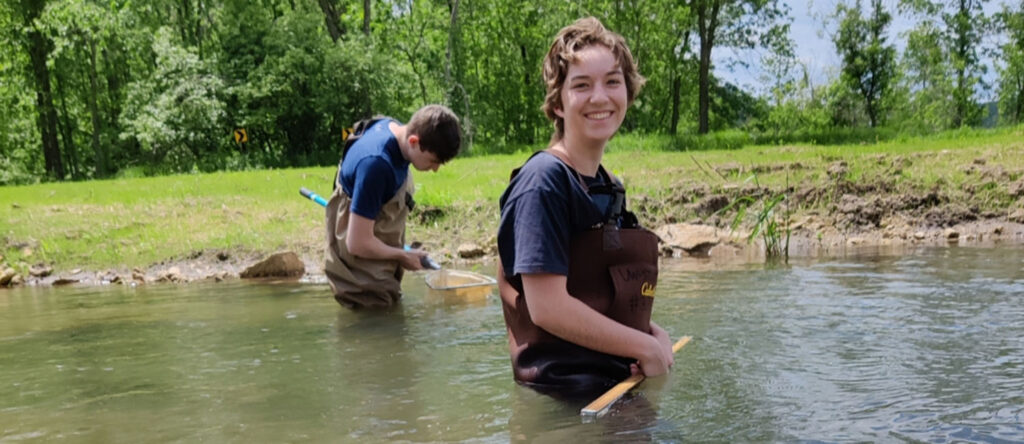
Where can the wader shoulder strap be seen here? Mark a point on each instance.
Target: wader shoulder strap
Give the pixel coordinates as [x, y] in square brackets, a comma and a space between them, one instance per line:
[606, 175]
[614, 186]
[358, 129]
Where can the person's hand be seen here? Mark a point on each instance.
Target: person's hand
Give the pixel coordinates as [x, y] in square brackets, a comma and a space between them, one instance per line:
[666, 342]
[655, 358]
[411, 259]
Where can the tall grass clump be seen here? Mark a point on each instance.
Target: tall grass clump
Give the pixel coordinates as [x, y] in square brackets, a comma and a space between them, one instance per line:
[766, 224]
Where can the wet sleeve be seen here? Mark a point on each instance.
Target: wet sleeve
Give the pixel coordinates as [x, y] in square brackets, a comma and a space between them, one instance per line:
[542, 233]
[374, 185]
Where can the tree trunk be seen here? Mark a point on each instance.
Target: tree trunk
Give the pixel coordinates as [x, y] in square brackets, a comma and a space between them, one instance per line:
[677, 81]
[526, 67]
[963, 47]
[102, 166]
[707, 21]
[198, 31]
[65, 129]
[331, 19]
[185, 22]
[676, 86]
[704, 94]
[453, 9]
[872, 118]
[366, 17]
[1018, 115]
[453, 81]
[39, 50]
[113, 85]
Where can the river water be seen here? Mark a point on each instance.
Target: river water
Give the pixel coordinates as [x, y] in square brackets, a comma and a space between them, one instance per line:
[922, 347]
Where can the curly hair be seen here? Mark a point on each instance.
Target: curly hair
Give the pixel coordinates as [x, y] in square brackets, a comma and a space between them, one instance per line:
[580, 35]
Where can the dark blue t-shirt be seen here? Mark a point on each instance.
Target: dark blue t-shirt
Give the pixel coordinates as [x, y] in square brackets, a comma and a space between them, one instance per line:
[541, 209]
[373, 170]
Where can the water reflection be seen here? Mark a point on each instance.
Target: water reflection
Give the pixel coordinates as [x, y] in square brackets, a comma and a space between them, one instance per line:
[377, 369]
[540, 418]
[922, 347]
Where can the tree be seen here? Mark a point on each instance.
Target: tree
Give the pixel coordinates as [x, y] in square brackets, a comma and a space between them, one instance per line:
[496, 60]
[367, 10]
[794, 106]
[964, 23]
[418, 34]
[868, 64]
[659, 35]
[176, 114]
[80, 30]
[453, 50]
[332, 18]
[39, 46]
[925, 81]
[295, 89]
[1011, 73]
[20, 156]
[741, 24]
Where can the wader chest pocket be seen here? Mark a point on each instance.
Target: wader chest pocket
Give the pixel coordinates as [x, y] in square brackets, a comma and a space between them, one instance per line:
[635, 284]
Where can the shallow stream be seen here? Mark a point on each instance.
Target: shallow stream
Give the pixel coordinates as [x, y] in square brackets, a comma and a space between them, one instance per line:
[927, 346]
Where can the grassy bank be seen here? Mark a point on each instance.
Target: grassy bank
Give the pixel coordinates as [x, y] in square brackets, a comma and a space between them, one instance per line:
[127, 223]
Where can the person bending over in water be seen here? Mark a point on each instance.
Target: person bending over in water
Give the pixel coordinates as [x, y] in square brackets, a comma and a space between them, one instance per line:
[373, 195]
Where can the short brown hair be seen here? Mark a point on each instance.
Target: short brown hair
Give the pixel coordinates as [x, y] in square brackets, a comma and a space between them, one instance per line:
[438, 130]
[584, 33]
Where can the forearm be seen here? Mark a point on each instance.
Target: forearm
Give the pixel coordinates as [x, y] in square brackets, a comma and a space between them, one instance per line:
[361, 241]
[576, 322]
[372, 248]
[553, 309]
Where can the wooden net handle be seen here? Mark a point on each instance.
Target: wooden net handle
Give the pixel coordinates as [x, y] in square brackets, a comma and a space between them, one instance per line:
[600, 405]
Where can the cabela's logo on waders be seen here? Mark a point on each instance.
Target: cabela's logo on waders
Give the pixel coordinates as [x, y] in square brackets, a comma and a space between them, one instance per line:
[647, 289]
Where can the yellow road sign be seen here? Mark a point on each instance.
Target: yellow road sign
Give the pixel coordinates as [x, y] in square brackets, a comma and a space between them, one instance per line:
[241, 136]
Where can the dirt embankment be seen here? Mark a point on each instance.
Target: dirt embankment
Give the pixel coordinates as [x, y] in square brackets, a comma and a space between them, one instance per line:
[833, 217]
[842, 215]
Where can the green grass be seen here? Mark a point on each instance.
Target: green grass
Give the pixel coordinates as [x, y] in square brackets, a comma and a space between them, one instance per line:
[141, 221]
[129, 222]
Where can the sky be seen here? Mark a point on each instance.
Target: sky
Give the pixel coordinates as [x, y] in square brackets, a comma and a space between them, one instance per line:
[814, 46]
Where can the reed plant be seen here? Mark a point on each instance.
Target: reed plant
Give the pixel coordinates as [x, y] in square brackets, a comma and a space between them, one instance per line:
[766, 224]
[774, 233]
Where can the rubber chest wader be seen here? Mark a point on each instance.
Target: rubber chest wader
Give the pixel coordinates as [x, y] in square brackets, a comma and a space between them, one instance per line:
[612, 269]
[359, 282]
